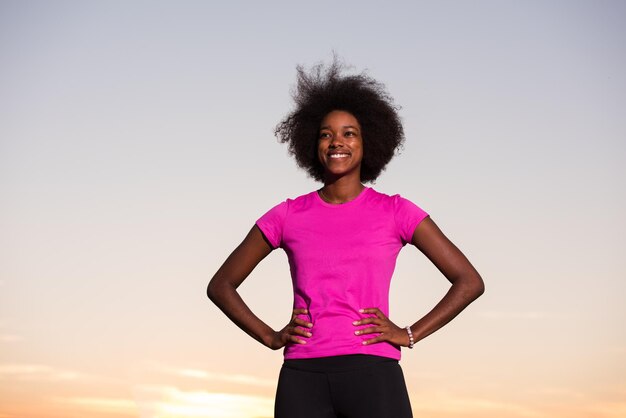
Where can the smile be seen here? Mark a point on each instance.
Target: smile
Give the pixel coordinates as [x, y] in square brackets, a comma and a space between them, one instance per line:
[339, 155]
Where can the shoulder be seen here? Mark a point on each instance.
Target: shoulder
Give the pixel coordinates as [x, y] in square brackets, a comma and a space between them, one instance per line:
[395, 201]
[406, 214]
[291, 203]
[272, 222]
[304, 199]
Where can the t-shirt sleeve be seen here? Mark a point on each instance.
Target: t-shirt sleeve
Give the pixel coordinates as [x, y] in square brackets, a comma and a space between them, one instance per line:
[272, 222]
[408, 216]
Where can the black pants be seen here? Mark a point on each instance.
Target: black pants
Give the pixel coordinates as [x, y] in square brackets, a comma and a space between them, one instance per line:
[354, 386]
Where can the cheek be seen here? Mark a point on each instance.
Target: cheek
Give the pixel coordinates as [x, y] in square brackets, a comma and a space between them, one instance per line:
[320, 154]
[359, 147]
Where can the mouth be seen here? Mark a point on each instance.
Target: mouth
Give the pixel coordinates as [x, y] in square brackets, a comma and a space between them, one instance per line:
[338, 155]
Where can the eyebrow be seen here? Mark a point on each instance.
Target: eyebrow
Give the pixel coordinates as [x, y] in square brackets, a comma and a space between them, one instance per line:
[346, 126]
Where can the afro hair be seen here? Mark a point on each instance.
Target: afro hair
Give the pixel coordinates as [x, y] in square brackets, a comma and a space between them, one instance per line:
[324, 89]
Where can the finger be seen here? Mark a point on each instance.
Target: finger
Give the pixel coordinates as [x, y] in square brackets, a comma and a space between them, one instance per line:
[296, 340]
[302, 323]
[300, 311]
[374, 340]
[379, 314]
[368, 320]
[300, 331]
[370, 330]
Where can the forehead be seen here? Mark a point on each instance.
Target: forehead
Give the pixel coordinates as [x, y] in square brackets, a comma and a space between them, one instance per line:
[339, 118]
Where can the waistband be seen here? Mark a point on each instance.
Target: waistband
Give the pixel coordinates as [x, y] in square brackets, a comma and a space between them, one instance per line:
[336, 364]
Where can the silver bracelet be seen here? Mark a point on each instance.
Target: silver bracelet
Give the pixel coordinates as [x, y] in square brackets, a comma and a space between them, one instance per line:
[411, 340]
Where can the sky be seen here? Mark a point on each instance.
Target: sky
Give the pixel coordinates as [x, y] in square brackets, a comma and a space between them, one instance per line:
[137, 150]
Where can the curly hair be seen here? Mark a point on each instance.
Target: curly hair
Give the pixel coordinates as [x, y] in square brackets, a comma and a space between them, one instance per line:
[324, 89]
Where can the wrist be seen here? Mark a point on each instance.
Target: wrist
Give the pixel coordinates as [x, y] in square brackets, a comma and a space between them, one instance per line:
[410, 335]
[268, 339]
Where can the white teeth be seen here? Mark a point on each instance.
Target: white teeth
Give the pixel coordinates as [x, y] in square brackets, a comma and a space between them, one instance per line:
[338, 155]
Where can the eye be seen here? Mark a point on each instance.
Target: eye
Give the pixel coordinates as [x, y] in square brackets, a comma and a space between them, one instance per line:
[350, 133]
[324, 135]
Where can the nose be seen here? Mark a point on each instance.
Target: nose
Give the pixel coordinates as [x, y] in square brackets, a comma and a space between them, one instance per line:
[335, 141]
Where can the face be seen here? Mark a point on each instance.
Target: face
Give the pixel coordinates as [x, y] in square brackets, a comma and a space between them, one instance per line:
[340, 144]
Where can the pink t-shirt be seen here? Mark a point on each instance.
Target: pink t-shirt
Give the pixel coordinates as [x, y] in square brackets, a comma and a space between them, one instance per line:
[342, 257]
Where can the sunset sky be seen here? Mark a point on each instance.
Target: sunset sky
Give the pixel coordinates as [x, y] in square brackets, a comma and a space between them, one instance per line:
[137, 150]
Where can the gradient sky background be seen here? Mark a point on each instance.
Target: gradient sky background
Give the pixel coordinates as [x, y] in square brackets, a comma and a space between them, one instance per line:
[137, 150]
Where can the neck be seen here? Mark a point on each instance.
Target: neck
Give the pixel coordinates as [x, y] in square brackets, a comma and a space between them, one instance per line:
[340, 190]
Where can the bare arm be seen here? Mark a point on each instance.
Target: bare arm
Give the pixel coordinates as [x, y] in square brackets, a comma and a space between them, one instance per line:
[222, 290]
[467, 285]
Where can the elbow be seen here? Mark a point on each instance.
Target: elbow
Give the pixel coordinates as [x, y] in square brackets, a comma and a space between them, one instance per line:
[471, 286]
[219, 289]
[477, 286]
[213, 290]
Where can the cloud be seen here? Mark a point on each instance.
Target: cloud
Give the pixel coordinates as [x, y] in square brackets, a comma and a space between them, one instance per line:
[529, 315]
[232, 378]
[36, 372]
[171, 402]
[10, 338]
[241, 379]
[609, 410]
[16, 369]
[448, 404]
[100, 404]
[552, 402]
[616, 349]
[559, 392]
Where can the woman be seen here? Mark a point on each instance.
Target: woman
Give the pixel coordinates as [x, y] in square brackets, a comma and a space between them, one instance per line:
[341, 349]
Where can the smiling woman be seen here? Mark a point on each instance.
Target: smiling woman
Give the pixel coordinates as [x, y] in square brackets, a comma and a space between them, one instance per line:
[324, 90]
[340, 146]
[342, 242]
